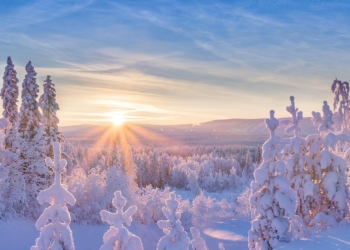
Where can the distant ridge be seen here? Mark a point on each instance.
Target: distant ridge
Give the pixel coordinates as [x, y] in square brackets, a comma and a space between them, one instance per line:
[226, 131]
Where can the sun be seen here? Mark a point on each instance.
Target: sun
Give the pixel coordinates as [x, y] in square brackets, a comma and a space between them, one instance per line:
[118, 119]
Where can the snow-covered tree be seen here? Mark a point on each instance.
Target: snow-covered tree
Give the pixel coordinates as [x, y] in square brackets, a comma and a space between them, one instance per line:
[332, 185]
[142, 163]
[120, 169]
[272, 201]
[4, 171]
[150, 203]
[9, 95]
[116, 179]
[16, 197]
[120, 156]
[30, 138]
[175, 237]
[202, 210]
[54, 222]
[341, 102]
[154, 168]
[197, 242]
[296, 159]
[118, 237]
[29, 117]
[15, 194]
[329, 174]
[49, 107]
[192, 178]
[324, 122]
[248, 166]
[3, 188]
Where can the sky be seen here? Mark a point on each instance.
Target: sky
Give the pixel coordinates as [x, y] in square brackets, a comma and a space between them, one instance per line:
[179, 62]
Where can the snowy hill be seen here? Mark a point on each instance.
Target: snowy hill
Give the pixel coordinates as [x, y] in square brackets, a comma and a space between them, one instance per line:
[230, 131]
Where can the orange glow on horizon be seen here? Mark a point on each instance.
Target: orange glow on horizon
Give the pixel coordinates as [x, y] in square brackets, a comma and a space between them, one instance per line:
[125, 136]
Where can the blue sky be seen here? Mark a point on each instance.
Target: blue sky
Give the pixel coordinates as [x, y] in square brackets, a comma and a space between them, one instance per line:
[171, 62]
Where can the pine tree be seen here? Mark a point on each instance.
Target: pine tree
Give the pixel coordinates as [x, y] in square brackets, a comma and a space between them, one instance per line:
[4, 172]
[117, 180]
[54, 222]
[15, 195]
[154, 168]
[29, 117]
[341, 101]
[30, 139]
[324, 123]
[198, 243]
[143, 175]
[297, 173]
[9, 94]
[121, 164]
[248, 166]
[49, 107]
[272, 201]
[118, 237]
[329, 172]
[175, 237]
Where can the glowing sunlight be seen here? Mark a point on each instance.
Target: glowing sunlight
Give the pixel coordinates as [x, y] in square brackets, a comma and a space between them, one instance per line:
[118, 119]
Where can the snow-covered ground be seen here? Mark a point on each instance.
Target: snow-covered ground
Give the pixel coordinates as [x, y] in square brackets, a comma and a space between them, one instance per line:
[335, 238]
[233, 234]
[21, 234]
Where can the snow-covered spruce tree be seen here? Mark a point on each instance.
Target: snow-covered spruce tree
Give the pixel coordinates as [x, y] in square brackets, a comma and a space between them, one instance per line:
[143, 174]
[118, 237]
[197, 242]
[54, 222]
[175, 237]
[341, 102]
[121, 169]
[192, 178]
[202, 210]
[324, 122]
[296, 160]
[9, 95]
[329, 173]
[49, 107]
[16, 198]
[4, 171]
[272, 201]
[116, 179]
[164, 170]
[248, 166]
[3, 188]
[30, 139]
[15, 195]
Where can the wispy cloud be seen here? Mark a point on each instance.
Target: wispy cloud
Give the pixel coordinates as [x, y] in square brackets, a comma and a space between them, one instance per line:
[41, 11]
[180, 60]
